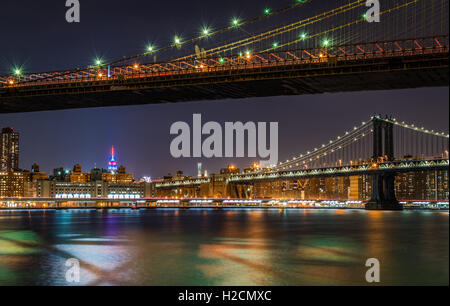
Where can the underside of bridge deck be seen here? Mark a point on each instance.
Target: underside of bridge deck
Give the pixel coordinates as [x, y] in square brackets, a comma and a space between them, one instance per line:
[327, 77]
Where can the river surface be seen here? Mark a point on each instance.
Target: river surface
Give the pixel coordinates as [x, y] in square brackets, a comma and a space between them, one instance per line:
[223, 247]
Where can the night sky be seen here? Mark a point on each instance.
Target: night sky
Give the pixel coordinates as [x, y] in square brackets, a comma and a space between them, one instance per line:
[36, 35]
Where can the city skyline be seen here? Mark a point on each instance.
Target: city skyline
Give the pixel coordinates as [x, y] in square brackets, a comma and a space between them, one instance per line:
[141, 133]
[145, 151]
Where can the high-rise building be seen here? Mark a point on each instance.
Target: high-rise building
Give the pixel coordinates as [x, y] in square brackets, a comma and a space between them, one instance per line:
[9, 150]
[112, 164]
[77, 176]
[61, 175]
[96, 174]
[36, 173]
[12, 183]
[199, 170]
[121, 177]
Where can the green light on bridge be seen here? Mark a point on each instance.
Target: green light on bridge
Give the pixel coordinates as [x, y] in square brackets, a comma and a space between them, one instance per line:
[98, 61]
[17, 71]
[205, 31]
[235, 21]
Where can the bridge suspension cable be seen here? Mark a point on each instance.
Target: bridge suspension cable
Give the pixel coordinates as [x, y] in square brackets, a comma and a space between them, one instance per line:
[418, 142]
[320, 34]
[180, 44]
[354, 22]
[278, 31]
[309, 35]
[337, 152]
[357, 147]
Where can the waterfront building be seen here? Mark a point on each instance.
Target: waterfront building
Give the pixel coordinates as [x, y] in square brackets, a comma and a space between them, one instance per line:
[422, 185]
[93, 189]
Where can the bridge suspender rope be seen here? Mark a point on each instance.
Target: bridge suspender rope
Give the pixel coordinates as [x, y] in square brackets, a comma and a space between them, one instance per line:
[364, 144]
[277, 53]
[190, 41]
[281, 30]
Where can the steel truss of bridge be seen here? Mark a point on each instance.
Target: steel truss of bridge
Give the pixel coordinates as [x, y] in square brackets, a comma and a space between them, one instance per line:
[370, 66]
[358, 169]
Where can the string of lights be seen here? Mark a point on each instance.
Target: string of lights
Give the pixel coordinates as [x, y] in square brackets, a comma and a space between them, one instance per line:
[326, 42]
[417, 129]
[350, 137]
[281, 30]
[178, 42]
[332, 146]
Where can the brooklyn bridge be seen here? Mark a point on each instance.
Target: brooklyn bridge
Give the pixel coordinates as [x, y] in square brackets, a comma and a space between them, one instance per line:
[283, 52]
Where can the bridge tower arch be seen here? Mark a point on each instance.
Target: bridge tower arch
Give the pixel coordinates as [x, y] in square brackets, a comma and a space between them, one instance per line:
[383, 183]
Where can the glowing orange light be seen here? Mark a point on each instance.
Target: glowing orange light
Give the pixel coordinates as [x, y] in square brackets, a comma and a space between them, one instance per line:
[11, 82]
[136, 66]
[100, 75]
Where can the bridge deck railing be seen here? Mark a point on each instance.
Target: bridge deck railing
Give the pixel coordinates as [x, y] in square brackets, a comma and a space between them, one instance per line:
[237, 63]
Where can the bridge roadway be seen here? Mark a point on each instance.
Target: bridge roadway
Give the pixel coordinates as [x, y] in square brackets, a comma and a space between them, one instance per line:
[398, 166]
[298, 72]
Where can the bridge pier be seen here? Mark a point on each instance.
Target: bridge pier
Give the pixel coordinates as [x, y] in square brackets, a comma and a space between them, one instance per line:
[383, 184]
[383, 193]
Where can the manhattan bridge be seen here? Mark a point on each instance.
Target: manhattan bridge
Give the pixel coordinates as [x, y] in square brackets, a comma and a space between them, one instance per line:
[301, 49]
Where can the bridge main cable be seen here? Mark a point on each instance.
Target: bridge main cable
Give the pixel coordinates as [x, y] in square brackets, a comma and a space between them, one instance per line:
[278, 31]
[334, 145]
[193, 40]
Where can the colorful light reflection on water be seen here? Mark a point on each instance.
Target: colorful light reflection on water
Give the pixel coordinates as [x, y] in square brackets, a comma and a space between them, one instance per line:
[223, 247]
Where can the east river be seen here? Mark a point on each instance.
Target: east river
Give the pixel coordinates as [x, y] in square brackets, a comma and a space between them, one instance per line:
[223, 247]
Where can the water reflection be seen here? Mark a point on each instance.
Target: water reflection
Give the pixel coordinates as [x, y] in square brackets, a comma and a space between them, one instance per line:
[223, 247]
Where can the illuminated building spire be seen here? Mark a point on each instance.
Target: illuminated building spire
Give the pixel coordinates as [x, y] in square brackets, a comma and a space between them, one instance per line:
[112, 164]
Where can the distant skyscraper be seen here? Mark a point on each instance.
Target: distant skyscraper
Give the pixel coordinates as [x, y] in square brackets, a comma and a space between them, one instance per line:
[112, 164]
[199, 170]
[9, 150]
